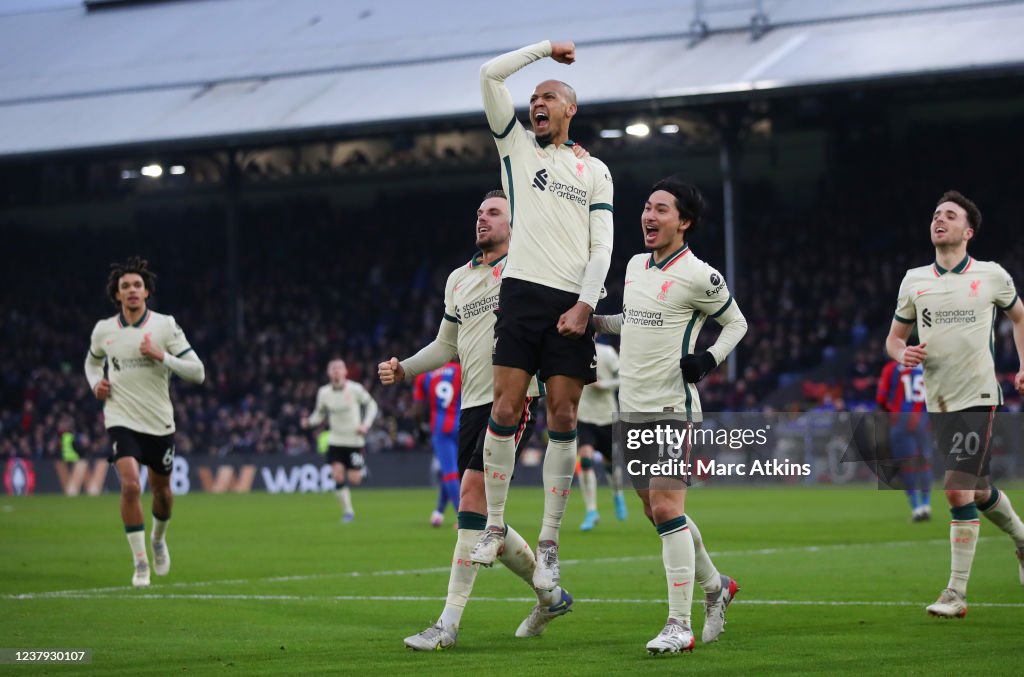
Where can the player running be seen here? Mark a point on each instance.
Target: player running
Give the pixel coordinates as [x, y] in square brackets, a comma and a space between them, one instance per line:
[467, 330]
[668, 295]
[598, 407]
[901, 395]
[441, 389]
[954, 301]
[561, 211]
[129, 365]
[349, 411]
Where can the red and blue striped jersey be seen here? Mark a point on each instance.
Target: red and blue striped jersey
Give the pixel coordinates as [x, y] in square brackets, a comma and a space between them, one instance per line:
[442, 389]
[901, 391]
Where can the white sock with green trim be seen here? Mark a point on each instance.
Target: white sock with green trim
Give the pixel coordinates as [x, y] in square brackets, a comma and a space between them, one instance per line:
[558, 471]
[678, 557]
[461, 579]
[999, 510]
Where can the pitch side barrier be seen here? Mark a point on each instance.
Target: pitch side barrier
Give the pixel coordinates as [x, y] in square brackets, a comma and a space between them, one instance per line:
[873, 449]
[274, 473]
[719, 449]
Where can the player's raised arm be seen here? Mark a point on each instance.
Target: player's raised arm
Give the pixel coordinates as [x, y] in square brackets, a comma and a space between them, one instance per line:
[497, 100]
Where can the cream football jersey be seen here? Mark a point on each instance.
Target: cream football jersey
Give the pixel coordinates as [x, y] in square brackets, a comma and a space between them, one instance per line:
[470, 298]
[664, 306]
[598, 404]
[140, 398]
[342, 407]
[955, 311]
[560, 205]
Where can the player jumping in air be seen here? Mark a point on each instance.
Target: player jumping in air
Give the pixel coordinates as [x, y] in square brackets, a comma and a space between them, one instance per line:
[561, 217]
[467, 330]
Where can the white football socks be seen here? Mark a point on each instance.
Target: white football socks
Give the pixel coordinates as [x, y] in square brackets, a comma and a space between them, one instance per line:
[460, 582]
[499, 463]
[678, 557]
[707, 575]
[559, 468]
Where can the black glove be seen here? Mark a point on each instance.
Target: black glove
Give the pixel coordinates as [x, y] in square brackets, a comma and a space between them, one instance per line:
[696, 367]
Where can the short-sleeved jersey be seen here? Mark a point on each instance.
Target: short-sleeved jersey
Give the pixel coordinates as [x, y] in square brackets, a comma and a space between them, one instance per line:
[955, 311]
[470, 299]
[551, 192]
[140, 397]
[441, 389]
[343, 409]
[901, 391]
[598, 404]
[664, 306]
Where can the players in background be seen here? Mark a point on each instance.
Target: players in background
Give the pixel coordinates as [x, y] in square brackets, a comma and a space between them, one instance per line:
[467, 330]
[441, 389]
[598, 407]
[131, 358]
[349, 411]
[557, 262]
[954, 302]
[901, 395]
[657, 374]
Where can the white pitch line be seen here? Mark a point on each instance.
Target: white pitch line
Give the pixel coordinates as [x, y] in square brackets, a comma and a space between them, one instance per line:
[518, 600]
[447, 569]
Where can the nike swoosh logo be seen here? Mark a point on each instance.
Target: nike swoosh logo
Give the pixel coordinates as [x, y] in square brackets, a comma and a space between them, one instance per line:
[457, 287]
[679, 585]
[921, 291]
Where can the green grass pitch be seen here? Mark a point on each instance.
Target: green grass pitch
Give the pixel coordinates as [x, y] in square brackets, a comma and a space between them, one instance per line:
[833, 581]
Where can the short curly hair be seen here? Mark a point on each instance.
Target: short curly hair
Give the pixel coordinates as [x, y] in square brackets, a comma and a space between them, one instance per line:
[134, 264]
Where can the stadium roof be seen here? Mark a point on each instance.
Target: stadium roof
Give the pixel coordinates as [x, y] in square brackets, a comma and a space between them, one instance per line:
[156, 73]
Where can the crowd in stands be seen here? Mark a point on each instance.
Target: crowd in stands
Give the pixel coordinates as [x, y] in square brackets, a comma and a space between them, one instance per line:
[817, 282]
